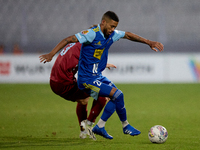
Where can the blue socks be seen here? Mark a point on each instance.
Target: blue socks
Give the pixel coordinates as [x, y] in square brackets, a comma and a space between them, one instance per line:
[108, 110]
[116, 103]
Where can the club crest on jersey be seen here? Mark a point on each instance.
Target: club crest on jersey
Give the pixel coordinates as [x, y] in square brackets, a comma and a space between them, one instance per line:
[85, 32]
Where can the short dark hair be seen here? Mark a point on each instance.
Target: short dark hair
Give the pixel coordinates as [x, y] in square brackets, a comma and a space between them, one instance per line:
[111, 15]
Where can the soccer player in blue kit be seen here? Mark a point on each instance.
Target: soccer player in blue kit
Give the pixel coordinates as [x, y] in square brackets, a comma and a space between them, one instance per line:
[93, 59]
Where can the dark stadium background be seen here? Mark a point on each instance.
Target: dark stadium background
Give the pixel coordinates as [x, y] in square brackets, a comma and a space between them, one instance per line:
[37, 26]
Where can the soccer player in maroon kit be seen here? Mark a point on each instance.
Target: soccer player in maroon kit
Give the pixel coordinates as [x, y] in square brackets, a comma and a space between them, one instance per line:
[64, 84]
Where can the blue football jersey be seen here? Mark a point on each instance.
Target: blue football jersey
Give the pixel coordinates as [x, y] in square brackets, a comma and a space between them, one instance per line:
[94, 52]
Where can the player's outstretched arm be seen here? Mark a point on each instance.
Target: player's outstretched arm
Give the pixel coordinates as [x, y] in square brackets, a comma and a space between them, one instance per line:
[136, 38]
[48, 57]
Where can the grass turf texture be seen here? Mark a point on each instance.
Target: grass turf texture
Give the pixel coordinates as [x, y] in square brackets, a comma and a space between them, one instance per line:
[33, 117]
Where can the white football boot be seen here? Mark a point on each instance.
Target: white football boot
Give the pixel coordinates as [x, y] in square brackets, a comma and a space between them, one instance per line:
[83, 133]
[89, 127]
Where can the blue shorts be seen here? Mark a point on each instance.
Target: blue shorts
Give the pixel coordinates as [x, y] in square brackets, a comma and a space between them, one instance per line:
[96, 87]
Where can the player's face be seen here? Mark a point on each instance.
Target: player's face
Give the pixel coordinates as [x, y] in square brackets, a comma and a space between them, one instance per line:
[109, 27]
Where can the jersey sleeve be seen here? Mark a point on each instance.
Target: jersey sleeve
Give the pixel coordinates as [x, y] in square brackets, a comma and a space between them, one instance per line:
[118, 34]
[86, 36]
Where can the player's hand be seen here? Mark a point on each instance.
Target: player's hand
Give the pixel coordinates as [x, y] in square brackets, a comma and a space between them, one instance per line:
[156, 46]
[107, 99]
[109, 66]
[45, 58]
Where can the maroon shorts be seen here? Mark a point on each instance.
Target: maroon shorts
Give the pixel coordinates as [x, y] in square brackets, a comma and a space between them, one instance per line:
[68, 91]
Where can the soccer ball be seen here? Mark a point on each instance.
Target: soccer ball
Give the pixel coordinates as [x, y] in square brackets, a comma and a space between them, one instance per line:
[158, 134]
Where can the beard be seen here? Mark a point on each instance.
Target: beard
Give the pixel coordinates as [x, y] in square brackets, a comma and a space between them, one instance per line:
[106, 35]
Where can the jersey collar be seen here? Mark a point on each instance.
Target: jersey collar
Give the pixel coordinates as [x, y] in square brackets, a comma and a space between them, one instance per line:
[101, 31]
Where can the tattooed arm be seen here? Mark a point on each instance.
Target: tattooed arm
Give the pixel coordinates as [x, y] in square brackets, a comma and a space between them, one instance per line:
[136, 38]
[48, 57]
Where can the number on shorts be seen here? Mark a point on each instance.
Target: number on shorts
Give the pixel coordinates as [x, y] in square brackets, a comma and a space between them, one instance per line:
[97, 82]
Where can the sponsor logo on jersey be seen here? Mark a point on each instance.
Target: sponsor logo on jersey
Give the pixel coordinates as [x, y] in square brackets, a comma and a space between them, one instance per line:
[98, 53]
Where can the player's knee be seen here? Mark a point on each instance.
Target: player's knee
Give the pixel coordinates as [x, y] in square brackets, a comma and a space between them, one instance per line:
[118, 95]
[83, 101]
[119, 101]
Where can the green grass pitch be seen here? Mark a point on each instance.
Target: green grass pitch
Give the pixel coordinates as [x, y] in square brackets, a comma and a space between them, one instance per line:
[33, 117]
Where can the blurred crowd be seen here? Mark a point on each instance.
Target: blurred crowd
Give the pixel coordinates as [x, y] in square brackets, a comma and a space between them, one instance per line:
[16, 50]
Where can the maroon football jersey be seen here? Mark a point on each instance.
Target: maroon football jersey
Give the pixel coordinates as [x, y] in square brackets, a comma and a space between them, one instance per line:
[66, 64]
